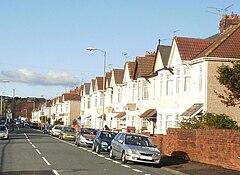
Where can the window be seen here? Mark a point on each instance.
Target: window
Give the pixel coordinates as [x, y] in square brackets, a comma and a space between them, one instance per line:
[111, 97]
[169, 123]
[89, 102]
[134, 90]
[101, 99]
[145, 123]
[187, 79]
[161, 85]
[169, 87]
[119, 95]
[139, 90]
[66, 107]
[95, 100]
[134, 122]
[177, 80]
[145, 90]
[200, 78]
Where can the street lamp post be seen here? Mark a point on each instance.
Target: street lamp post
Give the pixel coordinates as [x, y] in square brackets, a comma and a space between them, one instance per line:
[104, 74]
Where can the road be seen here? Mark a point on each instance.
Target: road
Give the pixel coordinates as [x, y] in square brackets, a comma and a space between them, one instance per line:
[28, 151]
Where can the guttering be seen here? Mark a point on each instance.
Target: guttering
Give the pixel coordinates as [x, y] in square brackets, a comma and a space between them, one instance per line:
[194, 61]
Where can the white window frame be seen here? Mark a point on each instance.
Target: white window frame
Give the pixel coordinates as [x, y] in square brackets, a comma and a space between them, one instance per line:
[169, 85]
[145, 90]
[161, 84]
[178, 82]
[200, 78]
[187, 79]
[120, 95]
[101, 99]
[134, 90]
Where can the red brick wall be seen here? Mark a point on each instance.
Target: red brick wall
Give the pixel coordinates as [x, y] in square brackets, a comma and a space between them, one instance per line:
[217, 147]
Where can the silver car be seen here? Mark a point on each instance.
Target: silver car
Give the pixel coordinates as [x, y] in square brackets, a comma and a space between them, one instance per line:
[134, 147]
[56, 130]
[3, 132]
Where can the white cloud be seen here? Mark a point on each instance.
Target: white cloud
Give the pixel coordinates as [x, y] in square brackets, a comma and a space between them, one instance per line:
[30, 77]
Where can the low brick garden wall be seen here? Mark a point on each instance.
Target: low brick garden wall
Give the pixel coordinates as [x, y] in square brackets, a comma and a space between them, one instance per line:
[216, 147]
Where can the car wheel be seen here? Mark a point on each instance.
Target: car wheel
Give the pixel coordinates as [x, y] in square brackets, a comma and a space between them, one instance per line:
[93, 147]
[123, 158]
[157, 165]
[98, 149]
[111, 155]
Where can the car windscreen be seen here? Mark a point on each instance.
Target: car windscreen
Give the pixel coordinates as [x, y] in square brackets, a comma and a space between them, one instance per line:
[138, 140]
[108, 135]
[58, 127]
[69, 129]
[89, 131]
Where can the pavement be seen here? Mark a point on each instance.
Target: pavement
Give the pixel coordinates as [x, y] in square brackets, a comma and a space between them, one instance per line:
[180, 166]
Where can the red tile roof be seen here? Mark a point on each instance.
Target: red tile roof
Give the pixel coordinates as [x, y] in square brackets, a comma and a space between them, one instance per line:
[93, 84]
[227, 45]
[131, 68]
[190, 47]
[108, 78]
[120, 115]
[99, 81]
[144, 65]
[71, 97]
[118, 75]
[150, 113]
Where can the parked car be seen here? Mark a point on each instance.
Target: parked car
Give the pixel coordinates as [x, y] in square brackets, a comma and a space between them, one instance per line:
[56, 130]
[3, 132]
[34, 125]
[68, 133]
[86, 136]
[102, 141]
[134, 147]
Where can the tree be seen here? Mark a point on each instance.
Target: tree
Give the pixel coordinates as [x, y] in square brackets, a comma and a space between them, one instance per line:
[209, 121]
[230, 78]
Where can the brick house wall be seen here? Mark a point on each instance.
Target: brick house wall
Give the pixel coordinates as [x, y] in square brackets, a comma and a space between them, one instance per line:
[216, 147]
[214, 104]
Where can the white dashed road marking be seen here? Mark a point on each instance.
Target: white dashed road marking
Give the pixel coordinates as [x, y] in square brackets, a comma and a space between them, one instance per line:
[116, 162]
[126, 166]
[107, 158]
[55, 172]
[38, 152]
[46, 161]
[136, 170]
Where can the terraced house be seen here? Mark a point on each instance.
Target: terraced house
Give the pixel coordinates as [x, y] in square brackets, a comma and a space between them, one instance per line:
[158, 90]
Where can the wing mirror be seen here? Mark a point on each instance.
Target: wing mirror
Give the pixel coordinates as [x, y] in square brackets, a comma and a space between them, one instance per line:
[120, 141]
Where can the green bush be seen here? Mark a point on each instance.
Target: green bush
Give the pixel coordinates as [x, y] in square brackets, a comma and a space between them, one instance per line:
[210, 121]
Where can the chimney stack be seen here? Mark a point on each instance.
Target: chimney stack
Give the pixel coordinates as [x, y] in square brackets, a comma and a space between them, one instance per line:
[228, 20]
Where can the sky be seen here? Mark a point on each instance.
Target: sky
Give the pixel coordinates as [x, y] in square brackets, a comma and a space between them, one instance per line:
[43, 42]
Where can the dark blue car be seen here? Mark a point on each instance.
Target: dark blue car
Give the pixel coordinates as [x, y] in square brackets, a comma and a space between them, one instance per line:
[102, 141]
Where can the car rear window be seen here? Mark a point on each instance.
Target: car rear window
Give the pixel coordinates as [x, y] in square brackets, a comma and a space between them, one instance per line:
[110, 135]
[89, 131]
